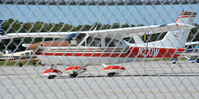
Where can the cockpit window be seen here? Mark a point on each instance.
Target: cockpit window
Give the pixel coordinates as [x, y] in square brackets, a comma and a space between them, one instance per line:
[92, 42]
[109, 42]
[95, 42]
[74, 38]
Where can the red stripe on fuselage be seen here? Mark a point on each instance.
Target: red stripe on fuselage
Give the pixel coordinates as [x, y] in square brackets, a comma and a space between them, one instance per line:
[139, 52]
[149, 52]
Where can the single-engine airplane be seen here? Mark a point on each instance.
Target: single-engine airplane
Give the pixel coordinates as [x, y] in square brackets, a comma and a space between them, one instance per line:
[102, 47]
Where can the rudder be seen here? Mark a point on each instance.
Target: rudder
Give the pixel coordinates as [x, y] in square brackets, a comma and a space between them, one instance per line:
[177, 39]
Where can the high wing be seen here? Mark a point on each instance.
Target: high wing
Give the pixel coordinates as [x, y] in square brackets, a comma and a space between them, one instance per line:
[153, 29]
[39, 34]
[120, 32]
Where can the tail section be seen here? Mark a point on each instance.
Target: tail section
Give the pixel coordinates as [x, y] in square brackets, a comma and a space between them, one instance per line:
[177, 39]
[186, 17]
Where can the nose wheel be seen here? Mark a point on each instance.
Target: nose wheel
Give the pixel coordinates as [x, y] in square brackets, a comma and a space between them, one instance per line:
[52, 73]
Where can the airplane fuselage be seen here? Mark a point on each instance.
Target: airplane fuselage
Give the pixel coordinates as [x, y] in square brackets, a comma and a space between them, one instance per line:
[82, 49]
[96, 55]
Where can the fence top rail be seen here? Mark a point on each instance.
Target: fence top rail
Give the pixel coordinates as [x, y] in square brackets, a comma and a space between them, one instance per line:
[98, 2]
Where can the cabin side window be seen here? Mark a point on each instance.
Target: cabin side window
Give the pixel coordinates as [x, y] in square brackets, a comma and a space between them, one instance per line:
[109, 42]
[104, 42]
[92, 42]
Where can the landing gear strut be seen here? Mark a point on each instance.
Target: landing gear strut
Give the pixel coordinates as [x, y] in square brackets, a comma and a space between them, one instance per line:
[52, 76]
[52, 73]
[73, 75]
[74, 71]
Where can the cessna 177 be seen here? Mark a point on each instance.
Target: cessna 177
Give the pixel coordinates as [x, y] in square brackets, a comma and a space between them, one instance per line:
[107, 46]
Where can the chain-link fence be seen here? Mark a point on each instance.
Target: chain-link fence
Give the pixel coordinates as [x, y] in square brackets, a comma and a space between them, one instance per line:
[99, 49]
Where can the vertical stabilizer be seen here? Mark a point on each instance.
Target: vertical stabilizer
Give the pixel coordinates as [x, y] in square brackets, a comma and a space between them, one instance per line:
[177, 39]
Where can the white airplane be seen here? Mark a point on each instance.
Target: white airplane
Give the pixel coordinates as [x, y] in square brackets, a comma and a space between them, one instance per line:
[17, 55]
[99, 47]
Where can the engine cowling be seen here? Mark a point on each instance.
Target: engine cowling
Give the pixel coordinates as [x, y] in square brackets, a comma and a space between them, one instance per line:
[112, 70]
[73, 71]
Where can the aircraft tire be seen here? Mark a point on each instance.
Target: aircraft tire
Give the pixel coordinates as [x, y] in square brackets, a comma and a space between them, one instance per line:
[73, 75]
[20, 65]
[52, 76]
[197, 61]
[111, 74]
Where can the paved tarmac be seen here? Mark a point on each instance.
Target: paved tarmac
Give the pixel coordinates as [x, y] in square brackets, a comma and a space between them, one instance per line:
[140, 80]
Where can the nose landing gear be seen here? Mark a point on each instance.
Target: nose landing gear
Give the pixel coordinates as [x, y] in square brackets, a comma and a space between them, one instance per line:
[52, 73]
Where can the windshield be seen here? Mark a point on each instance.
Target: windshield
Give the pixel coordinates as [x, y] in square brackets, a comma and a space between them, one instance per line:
[75, 36]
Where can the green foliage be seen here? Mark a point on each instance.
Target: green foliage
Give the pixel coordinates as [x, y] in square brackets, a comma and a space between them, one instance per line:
[15, 63]
[194, 34]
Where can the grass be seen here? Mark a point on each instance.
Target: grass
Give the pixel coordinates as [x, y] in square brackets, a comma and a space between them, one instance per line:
[164, 59]
[35, 60]
[17, 62]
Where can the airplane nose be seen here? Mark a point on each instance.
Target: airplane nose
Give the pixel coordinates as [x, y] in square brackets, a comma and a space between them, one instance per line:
[34, 46]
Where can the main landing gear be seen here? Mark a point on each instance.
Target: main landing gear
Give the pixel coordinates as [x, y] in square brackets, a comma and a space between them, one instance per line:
[52, 73]
[73, 75]
[112, 74]
[74, 71]
[113, 70]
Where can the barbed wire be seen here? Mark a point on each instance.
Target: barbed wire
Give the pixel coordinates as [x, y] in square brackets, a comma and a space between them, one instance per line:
[99, 2]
